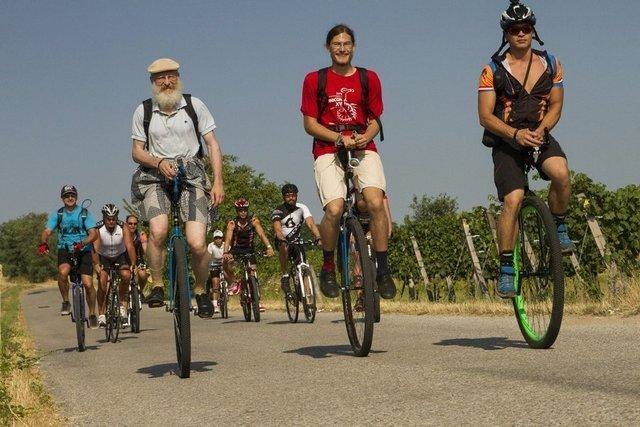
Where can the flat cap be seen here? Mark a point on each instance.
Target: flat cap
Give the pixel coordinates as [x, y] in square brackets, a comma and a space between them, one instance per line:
[163, 64]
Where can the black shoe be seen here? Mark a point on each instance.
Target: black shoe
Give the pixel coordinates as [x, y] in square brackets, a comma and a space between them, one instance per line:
[65, 310]
[386, 286]
[284, 285]
[205, 308]
[156, 297]
[328, 284]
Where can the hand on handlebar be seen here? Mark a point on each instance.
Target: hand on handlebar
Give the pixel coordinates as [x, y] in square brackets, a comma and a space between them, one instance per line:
[359, 140]
[528, 138]
[78, 246]
[227, 256]
[167, 168]
[269, 252]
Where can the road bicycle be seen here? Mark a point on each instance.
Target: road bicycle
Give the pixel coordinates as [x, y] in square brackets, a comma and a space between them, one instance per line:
[179, 289]
[135, 303]
[112, 314]
[304, 282]
[249, 288]
[223, 289]
[356, 268]
[78, 313]
[537, 261]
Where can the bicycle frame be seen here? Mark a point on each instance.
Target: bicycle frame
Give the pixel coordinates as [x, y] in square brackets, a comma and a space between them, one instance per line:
[301, 263]
[343, 240]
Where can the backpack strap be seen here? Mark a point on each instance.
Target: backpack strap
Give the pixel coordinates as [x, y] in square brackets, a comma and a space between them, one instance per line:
[321, 95]
[83, 216]
[551, 60]
[191, 112]
[364, 86]
[59, 219]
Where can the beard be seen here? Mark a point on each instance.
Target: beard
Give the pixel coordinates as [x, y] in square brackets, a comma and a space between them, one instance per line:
[167, 100]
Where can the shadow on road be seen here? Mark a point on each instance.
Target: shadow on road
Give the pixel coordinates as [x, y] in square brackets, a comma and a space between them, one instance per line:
[323, 351]
[159, 371]
[286, 322]
[489, 343]
[37, 292]
[120, 338]
[73, 349]
[237, 321]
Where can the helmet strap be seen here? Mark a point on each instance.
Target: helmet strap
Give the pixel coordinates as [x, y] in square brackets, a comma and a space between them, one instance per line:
[536, 37]
[503, 44]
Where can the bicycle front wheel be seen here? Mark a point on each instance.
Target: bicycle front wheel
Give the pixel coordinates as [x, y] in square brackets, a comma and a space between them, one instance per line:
[292, 301]
[78, 316]
[182, 303]
[134, 307]
[224, 297]
[245, 301]
[539, 280]
[255, 298]
[309, 300]
[357, 288]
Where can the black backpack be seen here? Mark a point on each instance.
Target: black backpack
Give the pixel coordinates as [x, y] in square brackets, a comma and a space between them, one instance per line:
[191, 112]
[323, 99]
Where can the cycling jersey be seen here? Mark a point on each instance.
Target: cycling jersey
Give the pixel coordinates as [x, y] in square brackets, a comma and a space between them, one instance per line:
[514, 105]
[243, 235]
[111, 243]
[216, 253]
[71, 229]
[345, 104]
[291, 219]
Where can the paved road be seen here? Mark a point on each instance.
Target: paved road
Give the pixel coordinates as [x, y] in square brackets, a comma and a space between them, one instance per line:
[422, 370]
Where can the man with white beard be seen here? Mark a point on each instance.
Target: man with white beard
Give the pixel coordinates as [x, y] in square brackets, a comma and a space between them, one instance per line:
[167, 128]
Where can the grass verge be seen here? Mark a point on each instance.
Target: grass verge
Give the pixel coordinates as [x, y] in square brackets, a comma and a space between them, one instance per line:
[23, 399]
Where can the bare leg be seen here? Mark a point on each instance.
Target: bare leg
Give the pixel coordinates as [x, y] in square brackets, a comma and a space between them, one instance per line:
[508, 221]
[379, 224]
[87, 282]
[63, 281]
[560, 191]
[330, 223]
[158, 227]
[196, 233]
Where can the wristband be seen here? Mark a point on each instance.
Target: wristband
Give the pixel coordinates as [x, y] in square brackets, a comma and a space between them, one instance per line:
[269, 247]
[515, 134]
[161, 160]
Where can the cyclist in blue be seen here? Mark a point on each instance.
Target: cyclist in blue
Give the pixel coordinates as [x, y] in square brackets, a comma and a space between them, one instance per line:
[75, 227]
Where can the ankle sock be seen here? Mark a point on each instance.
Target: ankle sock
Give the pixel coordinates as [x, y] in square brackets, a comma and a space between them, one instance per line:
[328, 264]
[506, 258]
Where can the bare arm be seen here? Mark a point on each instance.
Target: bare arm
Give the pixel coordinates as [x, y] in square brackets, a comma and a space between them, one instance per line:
[144, 158]
[551, 118]
[387, 209]
[215, 157]
[486, 104]
[44, 237]
[128, 243]
[263, 237]
[312, 227]
[95, 255]
[316, 130]
[277, 230]
[228, 236]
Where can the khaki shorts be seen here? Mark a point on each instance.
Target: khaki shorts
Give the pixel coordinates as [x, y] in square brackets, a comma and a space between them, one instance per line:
[330, 175]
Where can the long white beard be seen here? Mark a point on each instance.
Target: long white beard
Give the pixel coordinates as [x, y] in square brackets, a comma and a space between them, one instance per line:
[167, 101]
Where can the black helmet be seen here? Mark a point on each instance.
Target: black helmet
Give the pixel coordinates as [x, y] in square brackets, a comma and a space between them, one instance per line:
[68, 189]
[517, 13]
[110, 210]
[289, 188]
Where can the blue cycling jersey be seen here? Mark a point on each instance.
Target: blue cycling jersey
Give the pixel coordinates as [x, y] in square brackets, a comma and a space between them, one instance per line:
[71, 229]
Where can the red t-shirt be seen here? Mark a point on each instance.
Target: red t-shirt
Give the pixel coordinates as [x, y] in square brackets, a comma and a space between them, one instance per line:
[345, 105]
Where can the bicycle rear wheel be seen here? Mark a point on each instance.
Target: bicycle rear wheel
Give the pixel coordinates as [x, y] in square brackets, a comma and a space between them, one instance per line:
[539, 280]
[292, 301]
[78, 315]
[309, 300]
[255, 298]
[134, 307]
[181, 306]
[357, 296]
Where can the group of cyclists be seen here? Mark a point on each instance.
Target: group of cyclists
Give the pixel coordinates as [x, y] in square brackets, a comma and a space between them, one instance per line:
[520, 99]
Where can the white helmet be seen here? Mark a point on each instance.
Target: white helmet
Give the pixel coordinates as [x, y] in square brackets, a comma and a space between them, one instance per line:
[217, 233]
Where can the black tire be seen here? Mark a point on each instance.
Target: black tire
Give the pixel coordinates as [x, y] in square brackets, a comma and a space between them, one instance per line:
[116, 318]
[224, 300]
[79, 316]
[134, 307]
[255, 298]
[292, 301]
[359, 324]
[539, 304]
[309, 301]
[112, 312]
[181, 308]
[245, 301]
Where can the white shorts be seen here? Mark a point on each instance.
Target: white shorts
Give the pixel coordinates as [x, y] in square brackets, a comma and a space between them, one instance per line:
[330, 175]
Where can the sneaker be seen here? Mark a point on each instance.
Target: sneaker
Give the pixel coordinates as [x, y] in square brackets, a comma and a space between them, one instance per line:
[566, 245]
[328, 284]
[124, 316]
[506, 288]
[216, 310]
[205, 309]
[93, 322]
[65, 310]
[156, 297]
[235, 288]
[262, 308]
[386, 286]
[284, 285]
[102, 321]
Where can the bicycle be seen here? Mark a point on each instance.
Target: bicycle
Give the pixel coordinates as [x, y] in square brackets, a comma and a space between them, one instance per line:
[135, 303]
[354, 255]
[113, 318]
[249, 289]
[179, 303]
[223, 291]
[304, 280]
[539, 275]
[78, 314]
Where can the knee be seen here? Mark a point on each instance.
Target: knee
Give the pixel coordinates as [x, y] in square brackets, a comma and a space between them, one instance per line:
[512, 201]
[561, 177]
[375, 205]
[157, 233]
[333, 211]
[197, 247]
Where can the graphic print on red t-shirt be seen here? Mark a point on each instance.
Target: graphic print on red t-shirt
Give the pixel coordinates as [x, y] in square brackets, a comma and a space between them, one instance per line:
[345, 105]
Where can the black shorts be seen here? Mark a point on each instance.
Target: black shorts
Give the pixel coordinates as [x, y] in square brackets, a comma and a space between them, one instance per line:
[243, 251]
[508, 165]
[122, 259]
[215, 270]
[86, 262]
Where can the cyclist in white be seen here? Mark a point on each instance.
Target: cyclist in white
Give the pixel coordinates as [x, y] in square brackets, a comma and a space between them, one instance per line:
[216, 250]
[113, 246]
[287, 224]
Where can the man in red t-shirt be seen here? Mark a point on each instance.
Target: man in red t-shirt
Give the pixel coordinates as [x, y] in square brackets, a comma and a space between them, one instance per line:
[346, 119]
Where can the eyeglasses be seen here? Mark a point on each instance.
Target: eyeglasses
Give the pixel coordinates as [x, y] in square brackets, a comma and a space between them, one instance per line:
[514, 31]
[132, 223]
[345, 45]
[242, 209]
[69, 196]
[162, 77]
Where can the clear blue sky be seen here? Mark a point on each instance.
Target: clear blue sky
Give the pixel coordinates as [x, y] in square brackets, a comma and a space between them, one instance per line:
[73, 72]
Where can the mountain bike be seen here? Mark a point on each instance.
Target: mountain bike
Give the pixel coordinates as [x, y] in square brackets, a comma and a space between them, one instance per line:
[223, 291]
[179, 292]
[357, 271]
[113, 318]
[249, 288]
[135, 304]
[304, 280]
[537, 261]
[78, 313]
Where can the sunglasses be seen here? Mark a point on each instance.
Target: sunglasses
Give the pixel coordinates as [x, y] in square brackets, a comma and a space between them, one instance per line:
[514, 31]
[132, 223]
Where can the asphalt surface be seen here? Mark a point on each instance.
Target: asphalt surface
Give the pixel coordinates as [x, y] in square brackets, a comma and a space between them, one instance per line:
[422, 370]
